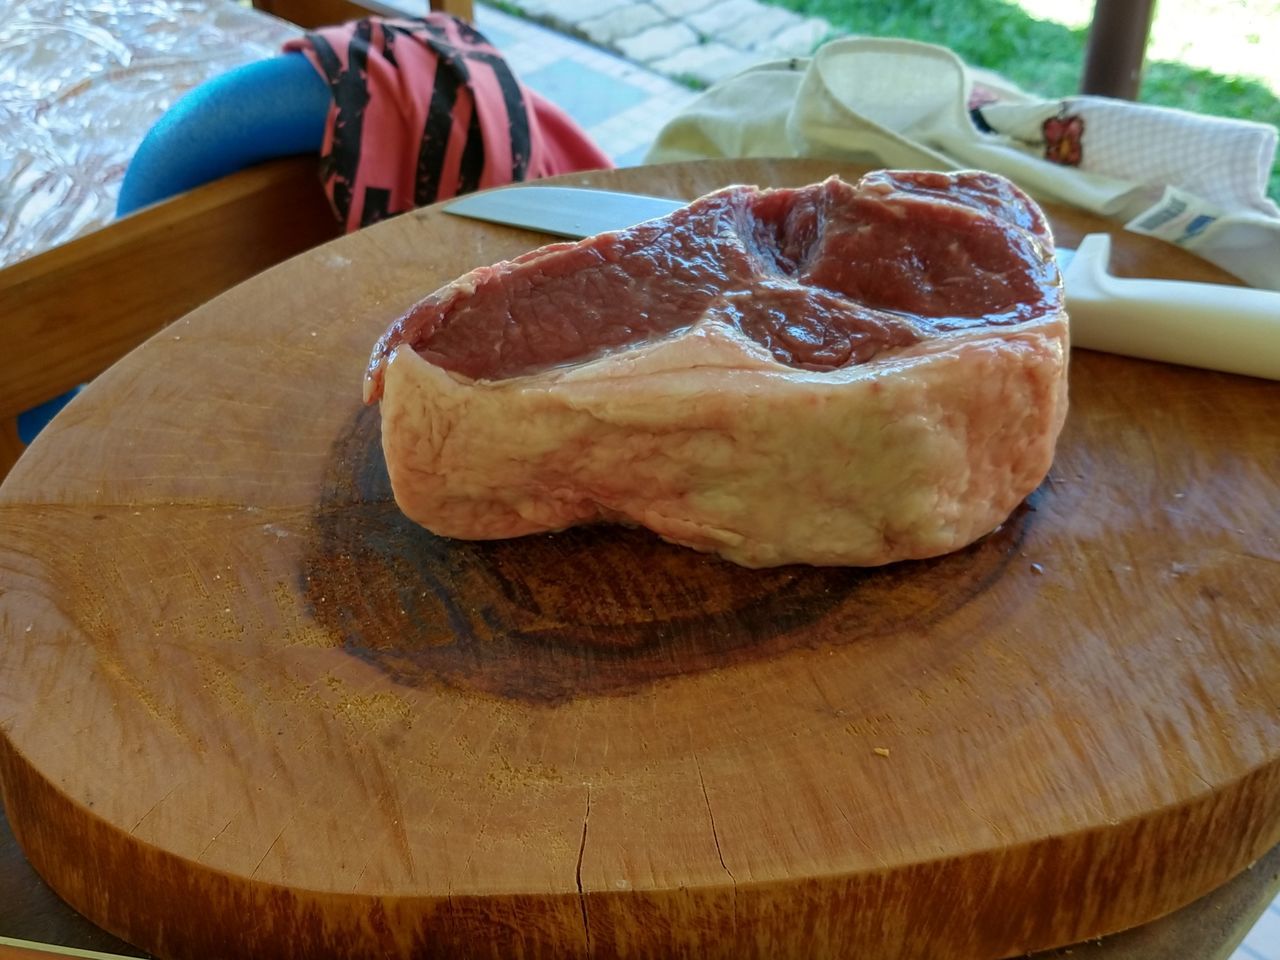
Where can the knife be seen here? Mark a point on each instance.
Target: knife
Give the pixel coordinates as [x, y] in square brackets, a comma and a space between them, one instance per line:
[1209, 325]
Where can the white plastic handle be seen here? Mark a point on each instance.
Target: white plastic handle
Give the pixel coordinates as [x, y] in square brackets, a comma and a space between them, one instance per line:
[1210, 325]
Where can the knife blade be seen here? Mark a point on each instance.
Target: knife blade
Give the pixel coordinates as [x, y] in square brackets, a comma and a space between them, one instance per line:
[1209, 325]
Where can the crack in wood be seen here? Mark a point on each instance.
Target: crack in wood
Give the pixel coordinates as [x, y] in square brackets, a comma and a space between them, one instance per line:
[582, 899]
[155, 806]
[715, 836]
[209, 846]
[272, 846]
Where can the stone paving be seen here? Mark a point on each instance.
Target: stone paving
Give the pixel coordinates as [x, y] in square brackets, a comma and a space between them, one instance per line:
[696, 42]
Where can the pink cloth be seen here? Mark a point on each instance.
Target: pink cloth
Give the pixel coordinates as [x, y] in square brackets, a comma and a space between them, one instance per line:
[425, 109]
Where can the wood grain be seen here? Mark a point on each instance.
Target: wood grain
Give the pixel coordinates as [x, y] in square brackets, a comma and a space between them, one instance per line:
[1209, 929]
[232, 675]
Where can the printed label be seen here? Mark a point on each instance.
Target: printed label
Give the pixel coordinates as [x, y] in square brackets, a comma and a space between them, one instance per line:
[1179, 217]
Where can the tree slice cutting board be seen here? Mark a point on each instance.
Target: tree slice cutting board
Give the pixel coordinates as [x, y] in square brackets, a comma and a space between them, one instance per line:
[249, 710]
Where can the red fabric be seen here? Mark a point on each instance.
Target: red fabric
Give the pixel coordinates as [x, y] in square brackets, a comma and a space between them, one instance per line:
[425, 109]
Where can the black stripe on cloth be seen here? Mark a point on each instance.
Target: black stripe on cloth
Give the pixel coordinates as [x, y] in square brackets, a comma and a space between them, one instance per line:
[391, 29]
[350, 92]
[517, 113]
[471, 165]
[466, 35]
[389, 32]
[435, 132]
[332, 68]
[436, 30]
[377, 205]
[470, 34]
[324, 53]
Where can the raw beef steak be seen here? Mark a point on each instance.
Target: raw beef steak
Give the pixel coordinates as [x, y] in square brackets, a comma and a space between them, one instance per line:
[835, 374]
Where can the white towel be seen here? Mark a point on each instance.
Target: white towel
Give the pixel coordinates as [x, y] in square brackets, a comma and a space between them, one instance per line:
[1194, 180]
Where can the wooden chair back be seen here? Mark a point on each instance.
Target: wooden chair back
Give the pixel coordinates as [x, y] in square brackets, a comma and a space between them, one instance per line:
[71, 312]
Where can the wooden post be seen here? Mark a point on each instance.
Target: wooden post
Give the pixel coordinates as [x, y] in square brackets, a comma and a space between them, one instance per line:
[310, 14]
[1117, 45]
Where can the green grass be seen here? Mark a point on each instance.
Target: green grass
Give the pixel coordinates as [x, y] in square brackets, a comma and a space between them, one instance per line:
[1046, 57]
[690, 81]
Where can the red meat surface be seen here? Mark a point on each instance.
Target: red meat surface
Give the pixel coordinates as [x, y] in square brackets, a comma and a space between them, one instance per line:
[835, 374]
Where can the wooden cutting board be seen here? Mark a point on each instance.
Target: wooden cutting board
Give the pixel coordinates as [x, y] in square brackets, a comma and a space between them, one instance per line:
[249, 710]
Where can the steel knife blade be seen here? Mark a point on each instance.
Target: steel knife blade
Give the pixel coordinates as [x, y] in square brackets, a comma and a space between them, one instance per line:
[1209, 325]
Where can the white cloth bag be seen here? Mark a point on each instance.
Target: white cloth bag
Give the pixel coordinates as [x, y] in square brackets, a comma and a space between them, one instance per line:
[1194, 180]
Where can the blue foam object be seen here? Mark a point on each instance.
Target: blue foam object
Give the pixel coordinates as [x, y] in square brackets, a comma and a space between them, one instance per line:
[31, 422]
[263, 110]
